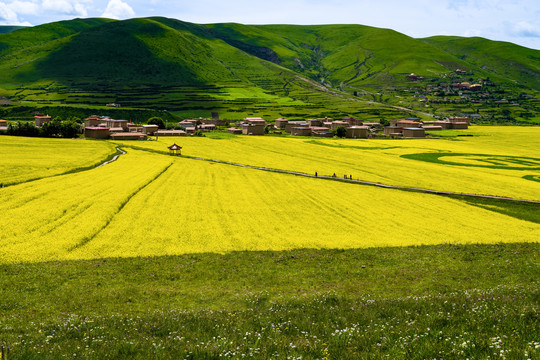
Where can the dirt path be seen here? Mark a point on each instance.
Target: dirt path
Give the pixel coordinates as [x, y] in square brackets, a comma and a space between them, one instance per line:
[369, 183]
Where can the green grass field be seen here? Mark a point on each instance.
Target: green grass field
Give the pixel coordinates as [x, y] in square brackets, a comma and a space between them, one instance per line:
[447, 301]
[153, 256]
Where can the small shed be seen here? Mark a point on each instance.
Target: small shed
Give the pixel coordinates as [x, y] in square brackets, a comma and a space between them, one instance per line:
[3, 122]
[175, 149]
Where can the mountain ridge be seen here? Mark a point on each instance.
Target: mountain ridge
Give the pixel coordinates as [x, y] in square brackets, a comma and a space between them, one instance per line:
[96, 60]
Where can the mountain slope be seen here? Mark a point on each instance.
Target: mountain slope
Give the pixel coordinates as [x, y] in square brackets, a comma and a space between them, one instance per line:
[7, 29]
[292, 70]
[502, 59]
[340, 55]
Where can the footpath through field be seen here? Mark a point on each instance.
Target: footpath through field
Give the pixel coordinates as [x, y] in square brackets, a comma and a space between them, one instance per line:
[335, 178]
[370, 183]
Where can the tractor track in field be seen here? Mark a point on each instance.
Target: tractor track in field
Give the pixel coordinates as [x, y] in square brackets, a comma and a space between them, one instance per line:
[88, 239]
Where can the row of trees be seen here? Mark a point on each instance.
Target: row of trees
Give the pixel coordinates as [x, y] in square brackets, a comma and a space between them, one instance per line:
[55, 128]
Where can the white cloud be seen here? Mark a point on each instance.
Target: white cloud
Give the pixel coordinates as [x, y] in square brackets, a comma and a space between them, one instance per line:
[117, 9]
[526, 29]
[7, 15]
[65, 7]
[24, 7]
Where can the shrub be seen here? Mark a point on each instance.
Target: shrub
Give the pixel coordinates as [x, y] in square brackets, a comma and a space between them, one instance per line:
[156, 121]
[341, 131]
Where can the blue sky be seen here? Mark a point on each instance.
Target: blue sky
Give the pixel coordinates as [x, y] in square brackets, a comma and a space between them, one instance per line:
[517, 21]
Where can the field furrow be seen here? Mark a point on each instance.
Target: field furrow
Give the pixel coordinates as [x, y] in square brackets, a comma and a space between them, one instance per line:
[206, 207]
[59, 212]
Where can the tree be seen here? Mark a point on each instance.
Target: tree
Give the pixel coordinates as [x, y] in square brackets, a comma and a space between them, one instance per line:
[341, 131]
[69, 129]
[384, 122]
[157, 121]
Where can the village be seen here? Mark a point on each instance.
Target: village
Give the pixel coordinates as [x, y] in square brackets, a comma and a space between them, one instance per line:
[461, 91]
[104, 127]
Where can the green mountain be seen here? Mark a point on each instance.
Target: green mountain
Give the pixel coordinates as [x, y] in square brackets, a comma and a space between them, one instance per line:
[285, 70]
[500, 59]
[338, 55]
[7, 29]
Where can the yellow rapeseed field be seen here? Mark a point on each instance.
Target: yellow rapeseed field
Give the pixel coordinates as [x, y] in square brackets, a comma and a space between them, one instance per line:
[507, 156]
[147, 204]
[24, 158]
[44, 219]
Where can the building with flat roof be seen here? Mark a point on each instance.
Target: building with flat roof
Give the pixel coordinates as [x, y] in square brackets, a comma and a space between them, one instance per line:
[394, 131]
[149, 129]
[128, 136]
[96, 132]
[414, 132]
[301, 131]
[253, 129]
[42, 119]
[280, 123]
[357, 132]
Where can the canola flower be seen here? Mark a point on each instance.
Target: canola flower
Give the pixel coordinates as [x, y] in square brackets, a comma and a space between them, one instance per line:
[380, 160]
[50, 217]
[197, 206]
[148, 204]
[23, 158]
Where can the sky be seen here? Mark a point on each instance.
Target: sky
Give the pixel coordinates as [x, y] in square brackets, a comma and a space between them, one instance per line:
[516, 21]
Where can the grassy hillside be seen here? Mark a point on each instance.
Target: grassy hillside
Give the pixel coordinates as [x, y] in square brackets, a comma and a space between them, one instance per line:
[161, 64]
[239, 70]
[500, 59]
[339, 55]
[7, 29]
[34, 36]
